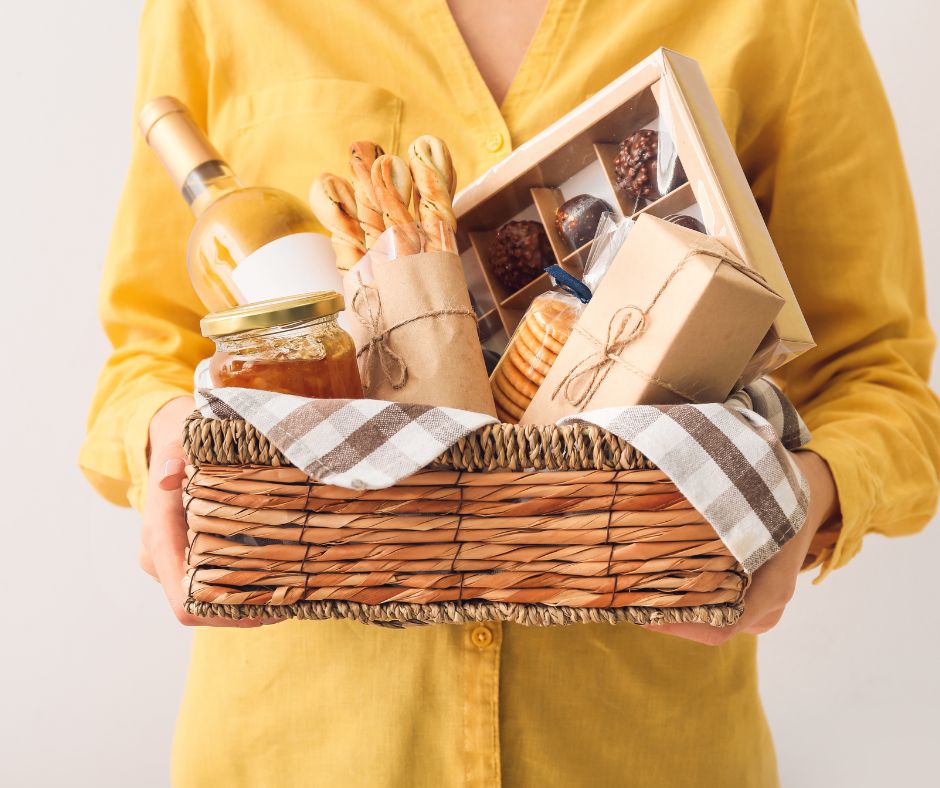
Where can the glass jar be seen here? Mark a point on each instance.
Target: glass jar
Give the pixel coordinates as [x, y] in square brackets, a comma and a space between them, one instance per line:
[289, 345]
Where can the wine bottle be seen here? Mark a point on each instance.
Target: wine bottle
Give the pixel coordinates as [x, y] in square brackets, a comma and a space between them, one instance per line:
[249, 243]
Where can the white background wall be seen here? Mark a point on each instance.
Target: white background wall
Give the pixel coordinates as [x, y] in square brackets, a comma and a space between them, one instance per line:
[92, 664]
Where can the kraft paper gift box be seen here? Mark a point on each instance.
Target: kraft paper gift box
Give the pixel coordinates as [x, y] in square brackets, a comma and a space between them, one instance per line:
[676, 318]
[575, 155]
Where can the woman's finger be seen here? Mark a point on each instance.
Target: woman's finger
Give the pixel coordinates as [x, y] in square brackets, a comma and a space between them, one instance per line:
[700, 633]
[773, 584]
[163, 535]
[174, 472]
[167, 547]
[765, 624]
[767, 595]
[166, 544]
[765, 602]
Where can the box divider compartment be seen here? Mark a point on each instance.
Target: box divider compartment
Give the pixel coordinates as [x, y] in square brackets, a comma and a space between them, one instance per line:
[676, 201]
[510, 305]
[523, 297]
[547, 201]
[607, 152]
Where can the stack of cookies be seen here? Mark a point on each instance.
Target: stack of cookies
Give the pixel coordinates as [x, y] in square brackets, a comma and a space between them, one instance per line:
[531, 352]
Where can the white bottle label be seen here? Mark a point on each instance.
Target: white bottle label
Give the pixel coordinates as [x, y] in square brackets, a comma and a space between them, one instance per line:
[292, 265]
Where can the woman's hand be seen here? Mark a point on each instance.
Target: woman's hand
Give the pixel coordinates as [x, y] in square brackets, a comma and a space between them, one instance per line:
[774, 583]
[163, 536]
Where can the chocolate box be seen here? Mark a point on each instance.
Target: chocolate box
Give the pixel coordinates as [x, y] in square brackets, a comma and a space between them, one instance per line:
[576, 155]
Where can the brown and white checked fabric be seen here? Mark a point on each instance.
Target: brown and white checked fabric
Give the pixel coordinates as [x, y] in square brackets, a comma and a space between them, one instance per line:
[730, 460]
[364, 444]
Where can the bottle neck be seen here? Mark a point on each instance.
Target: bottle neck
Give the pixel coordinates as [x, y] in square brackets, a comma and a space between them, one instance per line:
[207, 183]
[191, 160]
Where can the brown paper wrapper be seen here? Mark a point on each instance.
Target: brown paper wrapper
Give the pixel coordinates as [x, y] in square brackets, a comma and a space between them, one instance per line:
[677, 318]
[416, 334]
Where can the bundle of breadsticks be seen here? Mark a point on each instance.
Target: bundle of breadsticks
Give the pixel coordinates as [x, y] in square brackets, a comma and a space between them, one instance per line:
[407, 303]
[385, 189]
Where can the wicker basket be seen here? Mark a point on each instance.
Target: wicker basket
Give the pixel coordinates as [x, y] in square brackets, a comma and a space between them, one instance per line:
[534, 525]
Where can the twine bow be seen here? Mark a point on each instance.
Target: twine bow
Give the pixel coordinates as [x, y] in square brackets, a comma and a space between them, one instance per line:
[626, 325]
[367, 307]
[584, 379]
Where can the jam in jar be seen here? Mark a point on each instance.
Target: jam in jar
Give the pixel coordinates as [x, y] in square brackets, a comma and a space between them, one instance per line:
[289, 345]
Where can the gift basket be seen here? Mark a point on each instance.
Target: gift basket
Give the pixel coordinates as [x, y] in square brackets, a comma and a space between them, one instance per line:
[538, 403]
[549, 525]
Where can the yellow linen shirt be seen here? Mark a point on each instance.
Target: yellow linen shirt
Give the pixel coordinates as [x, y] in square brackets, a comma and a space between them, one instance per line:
[283, 87]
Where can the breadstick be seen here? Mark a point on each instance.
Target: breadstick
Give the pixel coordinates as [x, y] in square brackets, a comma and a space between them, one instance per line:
[361, 157]
[392, 183]
[433, 171]
[334, 203]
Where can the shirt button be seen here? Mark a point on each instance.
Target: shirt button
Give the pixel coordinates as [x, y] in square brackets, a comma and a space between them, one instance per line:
[494, 141]
[481, 637]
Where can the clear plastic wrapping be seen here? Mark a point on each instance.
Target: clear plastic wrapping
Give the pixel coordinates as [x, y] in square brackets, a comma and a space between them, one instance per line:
[535, 344]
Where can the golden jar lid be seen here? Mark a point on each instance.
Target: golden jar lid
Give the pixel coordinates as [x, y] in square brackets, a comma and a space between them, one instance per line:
[272, 313]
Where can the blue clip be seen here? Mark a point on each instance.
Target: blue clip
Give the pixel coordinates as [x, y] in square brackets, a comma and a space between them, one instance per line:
[568, 283]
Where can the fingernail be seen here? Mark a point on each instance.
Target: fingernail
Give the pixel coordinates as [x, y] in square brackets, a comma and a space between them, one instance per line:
[173, 473]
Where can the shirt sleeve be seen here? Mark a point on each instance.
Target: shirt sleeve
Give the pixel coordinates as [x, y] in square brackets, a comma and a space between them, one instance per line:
[147, 305]
[842, 217]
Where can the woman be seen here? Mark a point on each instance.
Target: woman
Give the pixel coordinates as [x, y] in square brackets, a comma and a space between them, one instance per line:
[282, 88]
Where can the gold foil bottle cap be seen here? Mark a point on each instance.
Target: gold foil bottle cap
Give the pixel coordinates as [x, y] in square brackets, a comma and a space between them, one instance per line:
[169, 128]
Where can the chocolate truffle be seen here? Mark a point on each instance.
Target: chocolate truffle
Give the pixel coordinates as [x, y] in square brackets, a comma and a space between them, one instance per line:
[520, 253]
[578, 218]
[635, 168]
[684, 220]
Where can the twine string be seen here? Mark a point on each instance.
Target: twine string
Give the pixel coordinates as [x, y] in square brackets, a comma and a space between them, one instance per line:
[367, 307]
[627, 324]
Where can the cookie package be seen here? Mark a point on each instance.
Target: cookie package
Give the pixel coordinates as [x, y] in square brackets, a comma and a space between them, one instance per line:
[532, 351]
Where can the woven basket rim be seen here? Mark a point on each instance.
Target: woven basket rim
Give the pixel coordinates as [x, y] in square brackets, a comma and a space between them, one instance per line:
[399, 615]
[512, 447]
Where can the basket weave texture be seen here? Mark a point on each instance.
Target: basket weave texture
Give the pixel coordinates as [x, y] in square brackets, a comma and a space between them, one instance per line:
[534, 525]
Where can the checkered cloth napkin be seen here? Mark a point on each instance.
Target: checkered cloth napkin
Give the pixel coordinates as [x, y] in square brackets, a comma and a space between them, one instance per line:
[730, 460]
